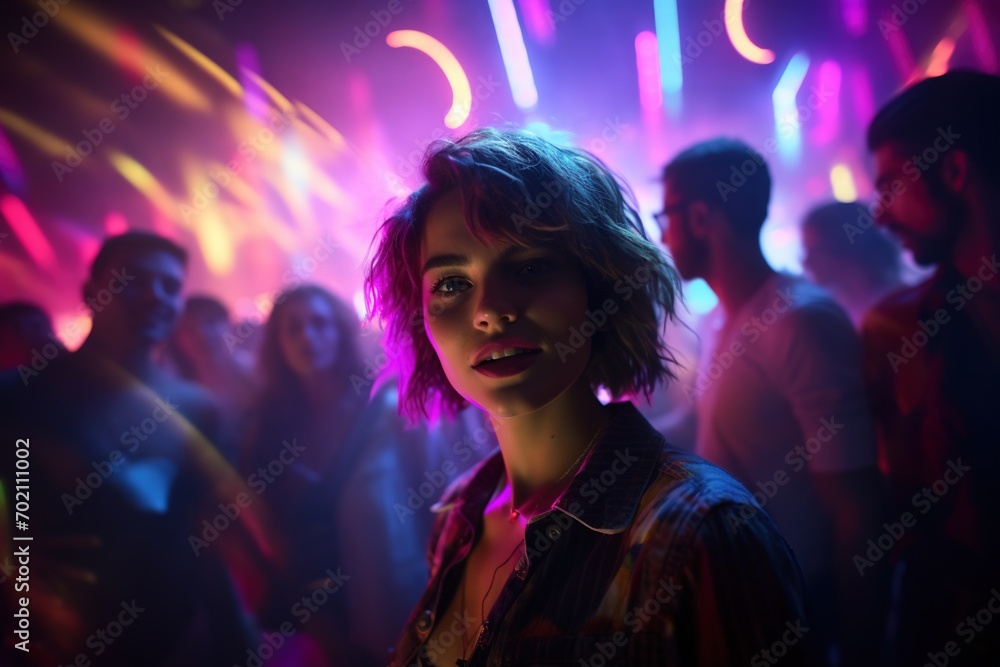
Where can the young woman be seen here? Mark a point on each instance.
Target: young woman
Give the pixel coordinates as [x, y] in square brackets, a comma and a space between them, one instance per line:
[519, 279]
[328, 461]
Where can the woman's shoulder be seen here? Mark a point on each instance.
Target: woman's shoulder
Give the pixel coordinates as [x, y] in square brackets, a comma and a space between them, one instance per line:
[694, 505]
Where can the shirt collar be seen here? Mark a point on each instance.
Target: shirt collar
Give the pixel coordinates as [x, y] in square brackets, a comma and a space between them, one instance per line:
[606, 490]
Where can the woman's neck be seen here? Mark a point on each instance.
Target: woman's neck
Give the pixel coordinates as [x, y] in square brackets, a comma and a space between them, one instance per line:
[541, 448]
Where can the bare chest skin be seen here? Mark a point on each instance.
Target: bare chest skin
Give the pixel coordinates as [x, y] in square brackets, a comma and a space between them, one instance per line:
[487, 569]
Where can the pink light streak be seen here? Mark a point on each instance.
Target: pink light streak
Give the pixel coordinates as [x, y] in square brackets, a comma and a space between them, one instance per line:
[10, 166]
[855, 13]
[861, 94]
[938, 63]
[981, 40]
[902, 57]
[829, 112]
[115, 223]
[647, 61]
[538, 21]
[27, 231]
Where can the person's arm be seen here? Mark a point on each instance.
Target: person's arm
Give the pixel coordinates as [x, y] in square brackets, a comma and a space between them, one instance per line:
[822, 380]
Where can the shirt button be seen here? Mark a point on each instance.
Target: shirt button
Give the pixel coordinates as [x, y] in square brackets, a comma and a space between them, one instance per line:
[425, 622]
[553, 532]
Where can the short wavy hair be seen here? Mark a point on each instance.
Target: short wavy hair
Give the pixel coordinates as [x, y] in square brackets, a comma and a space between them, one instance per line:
[520, 189]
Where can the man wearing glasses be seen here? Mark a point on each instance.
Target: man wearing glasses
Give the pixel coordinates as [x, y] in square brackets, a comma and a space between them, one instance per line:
[779, 393]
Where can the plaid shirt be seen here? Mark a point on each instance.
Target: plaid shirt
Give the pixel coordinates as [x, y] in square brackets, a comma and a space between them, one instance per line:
[932, 358]
[651, 556]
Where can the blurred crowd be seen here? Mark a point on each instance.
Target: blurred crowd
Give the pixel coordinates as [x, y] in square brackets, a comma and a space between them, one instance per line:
[241, 493]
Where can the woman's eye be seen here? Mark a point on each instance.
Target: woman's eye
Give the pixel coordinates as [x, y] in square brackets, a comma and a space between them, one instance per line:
[449, 286]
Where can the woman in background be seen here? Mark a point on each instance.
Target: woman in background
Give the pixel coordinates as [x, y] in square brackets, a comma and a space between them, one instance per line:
[330, 462]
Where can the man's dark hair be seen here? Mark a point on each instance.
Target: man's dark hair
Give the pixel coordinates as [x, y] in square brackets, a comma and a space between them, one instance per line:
[130, 244]
[728, 175]
[871, 251]
[962, 105]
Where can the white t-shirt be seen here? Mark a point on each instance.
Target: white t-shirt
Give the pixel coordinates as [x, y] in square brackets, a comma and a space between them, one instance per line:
[780, 395]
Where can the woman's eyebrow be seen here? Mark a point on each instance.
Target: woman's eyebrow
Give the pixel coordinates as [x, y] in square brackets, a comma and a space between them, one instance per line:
[441, 261]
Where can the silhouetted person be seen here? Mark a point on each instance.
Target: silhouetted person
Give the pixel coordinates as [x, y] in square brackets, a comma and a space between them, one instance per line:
[202, 351]
[26, 337]
[331, 463]
[779, 388]
[933, 360]
[121, 455]
[842, 253]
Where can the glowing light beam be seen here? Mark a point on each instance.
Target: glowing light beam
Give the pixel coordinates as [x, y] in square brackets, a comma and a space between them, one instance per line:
[940, 57]
[515, 56]
[461, 103]
[144, 182]
[842, 182]
[855, 13]
[23, 224]
[739, 38]
[828, 113]
[786, 115]
[981, 40]
[646, 61]
[225, 79]
[668, 33]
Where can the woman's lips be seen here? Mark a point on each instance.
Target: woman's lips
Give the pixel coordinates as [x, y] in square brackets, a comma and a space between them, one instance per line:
[508, 366]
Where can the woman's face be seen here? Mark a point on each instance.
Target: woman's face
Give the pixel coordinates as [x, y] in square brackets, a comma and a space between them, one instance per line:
[525, 306]
[308, 336]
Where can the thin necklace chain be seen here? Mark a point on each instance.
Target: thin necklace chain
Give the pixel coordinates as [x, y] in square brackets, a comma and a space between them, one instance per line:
[482, 605]
[515, 512]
